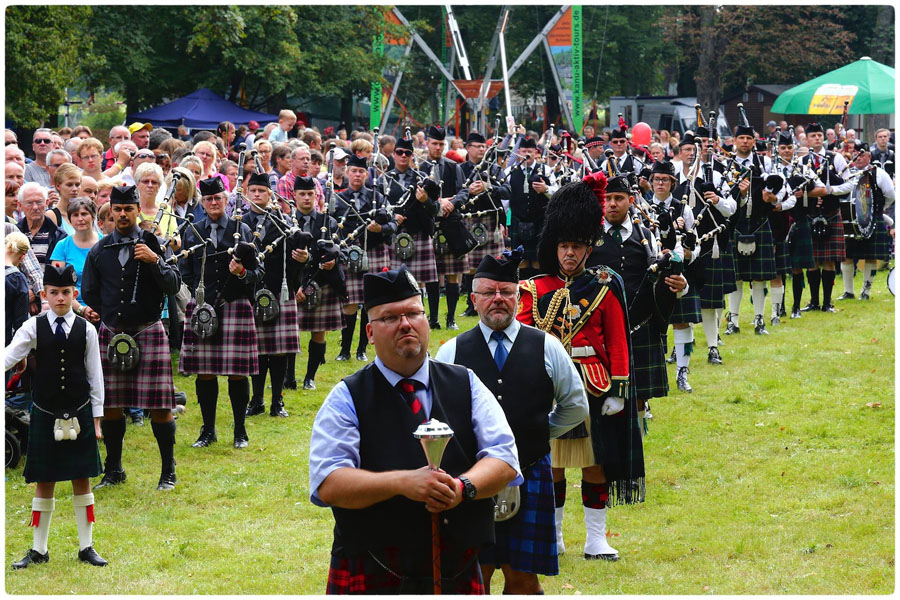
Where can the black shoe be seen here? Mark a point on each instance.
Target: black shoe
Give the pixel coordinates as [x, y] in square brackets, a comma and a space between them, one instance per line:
[682, 381]
[671, 358]
[732, 329]
[609, 557]
[782, 312]
[811, 306]
[256, 407]
[846, 296]
[111, 478]
[167, 481]
[434, 324]
[469, 312]
[775, 320]
[277, 409]
[33, 556]
[206, 438]
[309, 384]
[360, 355]
[759, 326]
[719, 341]
[451, 325]
[180, 398]
[290, 384]
[241, 440]
[90, 556]
[342, 356]
[137, 420]
[713, 357]
[865, 295]
[796, 314]
[828, 308]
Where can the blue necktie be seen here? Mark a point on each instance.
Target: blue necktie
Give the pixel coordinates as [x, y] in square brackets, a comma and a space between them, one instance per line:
[60, 333]
[500, 353]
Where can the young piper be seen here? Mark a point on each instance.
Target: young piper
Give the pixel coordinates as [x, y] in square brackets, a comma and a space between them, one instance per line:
[65, 416]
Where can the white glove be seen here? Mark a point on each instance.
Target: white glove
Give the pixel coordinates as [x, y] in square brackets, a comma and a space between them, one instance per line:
[612, 405]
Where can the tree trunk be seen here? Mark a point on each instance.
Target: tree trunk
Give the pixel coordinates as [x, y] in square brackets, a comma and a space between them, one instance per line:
[709, 71]
[883, 42]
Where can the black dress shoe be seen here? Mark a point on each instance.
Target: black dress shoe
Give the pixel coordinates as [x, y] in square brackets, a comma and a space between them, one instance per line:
[863, 296]
[90, 556]
[775, 320]
[759, 326]
[342, 356]
[137, 420]
[732, 329]
[846, 296]
[111, 478]
[671, 358]
[360, 355]
[828, 308]
[33, 556]
[796, 314]
[434, 324]
[290, 384]
[277, 409]
[811, 306]
[206, 438]
[256, 407]
[166, 481]
[451, 325]
[469, 312]
[609, 557]
[241, 440]
[713, 357]
[309, 384]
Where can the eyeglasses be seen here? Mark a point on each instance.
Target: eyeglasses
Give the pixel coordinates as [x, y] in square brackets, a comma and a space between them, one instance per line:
[617, 141]
[12, 143]
[161, 155]
[414, 316]
[506, 295]
[91, 157]
[403, 152]
[144, 156]
[148, 182]
[43, 141]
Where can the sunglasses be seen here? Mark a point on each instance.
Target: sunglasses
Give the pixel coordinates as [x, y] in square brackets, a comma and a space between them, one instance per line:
[43, 141]
[144, 156]
[13, 143]
[162, 156]
[403, 152]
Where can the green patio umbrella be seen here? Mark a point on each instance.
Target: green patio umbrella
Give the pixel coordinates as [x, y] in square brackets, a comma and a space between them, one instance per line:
[868, 86]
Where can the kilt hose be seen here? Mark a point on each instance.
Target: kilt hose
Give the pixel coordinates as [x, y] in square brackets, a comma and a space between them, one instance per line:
[279, 336]
[878, 247]
[834, 248]
[687, 308]
[760, 266]
[648, 351]
[364, 575]
[48, 460]
[149, 385]
[379, 259]
[712, 294]
[326, 316]
[492, 247]
[422, 263]
[527, 541]
[800, 245]
[231, 351]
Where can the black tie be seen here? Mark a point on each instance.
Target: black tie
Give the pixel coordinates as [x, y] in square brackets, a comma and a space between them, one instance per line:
[60, 334]
[617, 234]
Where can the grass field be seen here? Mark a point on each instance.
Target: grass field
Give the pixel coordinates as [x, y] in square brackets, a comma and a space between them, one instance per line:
[775, 476]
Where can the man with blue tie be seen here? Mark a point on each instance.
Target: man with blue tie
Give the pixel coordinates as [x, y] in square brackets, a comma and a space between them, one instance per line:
[542, 396]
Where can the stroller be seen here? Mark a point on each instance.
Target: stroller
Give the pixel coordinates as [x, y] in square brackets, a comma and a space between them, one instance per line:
[18, 417]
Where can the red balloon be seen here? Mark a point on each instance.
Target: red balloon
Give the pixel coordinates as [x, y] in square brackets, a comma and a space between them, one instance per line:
[641, 134]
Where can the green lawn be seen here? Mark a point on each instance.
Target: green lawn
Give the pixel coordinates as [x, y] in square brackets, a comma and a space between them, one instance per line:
[776, 475]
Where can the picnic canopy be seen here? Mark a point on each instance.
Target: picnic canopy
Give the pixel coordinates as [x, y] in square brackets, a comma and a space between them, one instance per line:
[203, 109]
[867, 84]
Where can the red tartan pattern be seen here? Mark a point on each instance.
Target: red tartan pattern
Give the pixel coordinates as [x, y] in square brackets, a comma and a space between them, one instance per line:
[232, 351]
[326, 316]
[149, 385]
[280, 336]
[422, 263]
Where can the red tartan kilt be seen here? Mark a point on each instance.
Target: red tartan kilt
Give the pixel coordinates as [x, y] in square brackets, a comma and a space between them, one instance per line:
[150, 384]
[834, 249]
[363, 575]
[422, 263]
[379, 259]
[231, 351]
[326, 316]
[490, 248]
[447, 264]
[280, 336]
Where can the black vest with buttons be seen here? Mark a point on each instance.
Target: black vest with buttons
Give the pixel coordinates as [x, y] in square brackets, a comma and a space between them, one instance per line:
[220, 285]
[386, 442]
[829, 176]
[274, 262]
[118, 282]
[419, 218]
[522, 388]
[630, 260]
[62, 377]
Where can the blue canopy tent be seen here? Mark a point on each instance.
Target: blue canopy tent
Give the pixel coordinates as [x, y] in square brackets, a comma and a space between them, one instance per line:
[203, 109]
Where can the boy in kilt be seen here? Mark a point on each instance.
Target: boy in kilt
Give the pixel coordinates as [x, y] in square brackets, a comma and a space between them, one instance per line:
[878, 247]
[533, 369]
[126, 279]
[75, 395]
[365, 463]
[324, 270]
[361, 212]
[228, 288]
[276, 339]
[829, 249]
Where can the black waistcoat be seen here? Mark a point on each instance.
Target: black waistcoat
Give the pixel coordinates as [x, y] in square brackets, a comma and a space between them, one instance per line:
[630, 260]
[117, 285]
[62, 377]
[418, 218]
[522, 388]
[386, 425]
[829, 176]
[274, 261]
[220, 285]
[371, 200]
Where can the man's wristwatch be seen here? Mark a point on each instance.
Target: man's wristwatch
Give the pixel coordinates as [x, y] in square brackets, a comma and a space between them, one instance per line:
[469, 491]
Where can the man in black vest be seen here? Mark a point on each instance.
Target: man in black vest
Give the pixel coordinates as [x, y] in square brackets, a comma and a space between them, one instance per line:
[545, 399]
[529, 193]
[366, 465]
[125, 280]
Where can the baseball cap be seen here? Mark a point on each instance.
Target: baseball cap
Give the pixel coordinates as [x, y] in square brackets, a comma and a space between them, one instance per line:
[771, 124]
[138, 126]
[253, 125]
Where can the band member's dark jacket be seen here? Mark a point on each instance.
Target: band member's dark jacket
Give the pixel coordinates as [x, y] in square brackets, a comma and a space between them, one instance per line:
[419, 215]
[364, 201]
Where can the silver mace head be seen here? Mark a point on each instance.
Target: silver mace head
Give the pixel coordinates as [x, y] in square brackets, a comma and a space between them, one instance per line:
[434, 436]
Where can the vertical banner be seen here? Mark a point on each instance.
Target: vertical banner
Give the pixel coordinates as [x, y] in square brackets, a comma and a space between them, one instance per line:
[577, 81]
[375, 94]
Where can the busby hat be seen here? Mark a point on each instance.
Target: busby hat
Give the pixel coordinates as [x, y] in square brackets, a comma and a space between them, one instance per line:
[785, 139]
[502, 268]
[123, 195]
[475, 138]
[389, 286]
[59, 276]
[405, 144]
[304, 183]
[663, 168]
[258, 179]
[528, 143]
[617, 133]
[814, 128]
[574, 214]
[618, 185]
[356, 161]
[211, 186]
[436, 132]
[744, 130]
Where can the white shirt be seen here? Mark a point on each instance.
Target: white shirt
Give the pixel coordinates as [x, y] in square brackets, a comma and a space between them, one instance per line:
[25, 341]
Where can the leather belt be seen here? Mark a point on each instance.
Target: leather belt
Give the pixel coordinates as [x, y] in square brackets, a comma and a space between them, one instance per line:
[582, 352]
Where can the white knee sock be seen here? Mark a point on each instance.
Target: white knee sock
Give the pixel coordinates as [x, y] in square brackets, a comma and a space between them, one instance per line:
[734, 302]
[84, 519]
[869, 273]
[41, 512]
[719, 312]
[758, 296]
[710, 326]
[684, 342]
[847, 276]
[777, 299]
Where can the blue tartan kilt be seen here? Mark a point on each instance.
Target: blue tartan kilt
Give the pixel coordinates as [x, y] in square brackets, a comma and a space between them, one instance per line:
[527, 541]
[760, 266]
[421, 264]
[712, 294]
[782, 258]
[649, 378]
[687, 308]
[231, 351]
[834, 248]
[48, 460]
[801, 245]
[878, 247]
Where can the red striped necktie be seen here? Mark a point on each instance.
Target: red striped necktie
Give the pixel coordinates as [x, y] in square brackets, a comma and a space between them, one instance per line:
[408, 390]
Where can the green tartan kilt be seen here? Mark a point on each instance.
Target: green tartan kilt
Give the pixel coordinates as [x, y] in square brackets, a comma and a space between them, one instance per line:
[760, 266]
[49, 460]
[648, 378]
[878, 247]
[729, 283]
[712, 294]
[687, 308]
[801, 245]
[782, 258]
